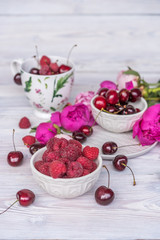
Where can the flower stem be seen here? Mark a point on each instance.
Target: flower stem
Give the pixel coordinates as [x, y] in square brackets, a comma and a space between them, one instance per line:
[108, 175]
[9, 207]
[134, 181]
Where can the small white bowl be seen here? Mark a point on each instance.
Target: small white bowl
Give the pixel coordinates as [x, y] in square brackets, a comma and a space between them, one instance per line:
[65, 187]
[118, 123]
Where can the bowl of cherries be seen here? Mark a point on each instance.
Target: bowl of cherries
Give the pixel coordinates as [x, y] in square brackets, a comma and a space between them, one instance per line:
[47, 82]
[118, 111]
[66, 169]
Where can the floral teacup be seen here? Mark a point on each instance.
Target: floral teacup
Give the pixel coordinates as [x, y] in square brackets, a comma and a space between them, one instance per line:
[46, 93]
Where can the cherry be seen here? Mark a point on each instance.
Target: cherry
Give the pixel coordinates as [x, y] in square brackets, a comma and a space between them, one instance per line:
[35, 147]
[54, 67]
[79, 136]
[14, 158]
[137, 110]
[104, 195]
[129, 110]
[124, 96]
[34, 71]
[135, 94]
[102, 92]
[112, 97]
[17, 79]
[64, 68]
[87, 130]
[111, 109]
[25, 197]
[100, 102]
[109, 148]
[119, 108]
[120, 163]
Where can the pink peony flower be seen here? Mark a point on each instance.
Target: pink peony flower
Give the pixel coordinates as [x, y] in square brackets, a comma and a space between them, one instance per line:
[85, 98]
[75, 116]
[127, 81]
[147, 128]
[56, 118]
[108, 84]
[44, 132]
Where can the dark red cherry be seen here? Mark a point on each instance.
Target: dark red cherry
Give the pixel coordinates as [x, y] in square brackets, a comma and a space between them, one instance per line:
[137, 110]
[35, 147]
[17, 79]
[109, 148]
[25, 197]
[135, 94]
[119, 108]
[79, 136]
[64, 68]
[104, 195]
[118, 160]
[129, 110]
[14, 158]
[87, 130]
[34, 71]
[112, 97]
[102, 92]
[111, 109]
[100, 102]
[124, 96]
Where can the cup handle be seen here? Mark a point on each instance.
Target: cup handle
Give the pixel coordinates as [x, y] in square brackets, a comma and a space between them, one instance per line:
[16, 65]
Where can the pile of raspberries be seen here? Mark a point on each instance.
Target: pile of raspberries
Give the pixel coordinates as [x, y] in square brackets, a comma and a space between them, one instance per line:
[66, 159]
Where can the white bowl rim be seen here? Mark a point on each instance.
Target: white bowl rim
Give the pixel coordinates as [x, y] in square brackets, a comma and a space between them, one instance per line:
[120, 116]
[62, 179]
[60, 74]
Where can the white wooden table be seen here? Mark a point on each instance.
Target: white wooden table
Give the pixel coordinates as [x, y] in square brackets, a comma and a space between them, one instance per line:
[111, 35]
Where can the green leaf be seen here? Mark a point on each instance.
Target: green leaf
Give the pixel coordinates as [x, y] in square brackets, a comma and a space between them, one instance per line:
[64, 130]
[33, 129]
[57, 128]
[46, 85]
[58, 95]
[28, 85]
[131, 72]
[39, 80]
[46, 78]
[53, 109]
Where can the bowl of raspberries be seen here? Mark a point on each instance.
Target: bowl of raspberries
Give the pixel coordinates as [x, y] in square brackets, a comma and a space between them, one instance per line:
[118, 111]
[66, 169]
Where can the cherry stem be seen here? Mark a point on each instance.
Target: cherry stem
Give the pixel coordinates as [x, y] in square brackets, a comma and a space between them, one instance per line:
[9, 207]
[70, 53]
[134, 181]
[97, 116]
[13, 140]
[130, 145]
[37, 56]
[108, 175]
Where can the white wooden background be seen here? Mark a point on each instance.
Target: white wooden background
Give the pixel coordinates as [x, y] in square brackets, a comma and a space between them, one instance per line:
[110, 36]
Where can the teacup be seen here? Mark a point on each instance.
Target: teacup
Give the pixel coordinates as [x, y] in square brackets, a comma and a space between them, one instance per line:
[46, 93]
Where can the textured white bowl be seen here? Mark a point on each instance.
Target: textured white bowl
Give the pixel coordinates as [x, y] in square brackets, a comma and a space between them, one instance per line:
[65, 187]
[118, 123]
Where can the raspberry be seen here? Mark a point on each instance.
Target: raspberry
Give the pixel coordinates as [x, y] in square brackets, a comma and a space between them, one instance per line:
[50, 143]
[64, 160]
[45, 61]
[38, 164]
[85, 172]
[75, 169]
[71, 152]
[45, 155]
[28, 140]
[52, 156]
[54, 67]
[85, 162]
[57, 169]
[94, 166]
[24, 123]
[75, 142]
[44, 169]
[91, 152]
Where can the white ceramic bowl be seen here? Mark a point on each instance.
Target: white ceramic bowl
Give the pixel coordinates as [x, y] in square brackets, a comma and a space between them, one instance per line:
[118, 123]
[65, 187]
[46, 93]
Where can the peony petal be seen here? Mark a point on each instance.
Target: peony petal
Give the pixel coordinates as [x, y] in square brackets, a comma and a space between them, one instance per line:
[56, 118]
[108, 84]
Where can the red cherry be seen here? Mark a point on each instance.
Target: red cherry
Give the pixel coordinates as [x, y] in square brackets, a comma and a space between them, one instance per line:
[100, 102]
[14, 158]
[54, 67]
[87, 130]
[44, 70]
[109, 148]
[112, 97]
[64, 68]
[17, 79]
[124, 96]
[102, 92]
[104, 195]
[34, 71]
[137, 110]
[135, 94]
[25, 197]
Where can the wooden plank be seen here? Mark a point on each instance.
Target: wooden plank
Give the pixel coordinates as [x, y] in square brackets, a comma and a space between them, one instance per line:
[79, 7]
